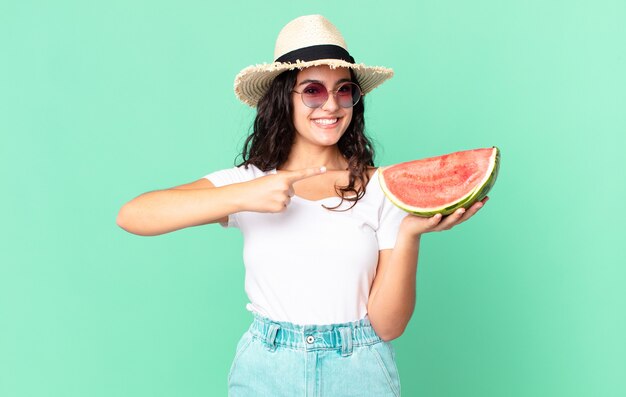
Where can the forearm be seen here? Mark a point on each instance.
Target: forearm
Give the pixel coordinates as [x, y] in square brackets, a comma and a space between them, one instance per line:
[164, 211]
[391, 306]
[392, 298]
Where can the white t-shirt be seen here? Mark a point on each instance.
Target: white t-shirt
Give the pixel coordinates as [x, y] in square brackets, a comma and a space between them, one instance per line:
[309, 265]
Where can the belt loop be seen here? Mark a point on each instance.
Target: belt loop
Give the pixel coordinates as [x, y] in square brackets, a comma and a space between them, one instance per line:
[271, 337]
[346, 341]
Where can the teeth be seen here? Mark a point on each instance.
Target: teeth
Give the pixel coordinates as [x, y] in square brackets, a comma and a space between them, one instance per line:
[325, 121]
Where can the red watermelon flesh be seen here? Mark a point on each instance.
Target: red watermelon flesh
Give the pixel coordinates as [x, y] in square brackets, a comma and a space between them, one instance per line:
[441, 184]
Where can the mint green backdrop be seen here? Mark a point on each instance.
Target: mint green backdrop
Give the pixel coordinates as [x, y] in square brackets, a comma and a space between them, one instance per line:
[102, 101]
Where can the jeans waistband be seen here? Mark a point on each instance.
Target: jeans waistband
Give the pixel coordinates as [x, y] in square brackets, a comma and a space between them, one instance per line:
[342, 337]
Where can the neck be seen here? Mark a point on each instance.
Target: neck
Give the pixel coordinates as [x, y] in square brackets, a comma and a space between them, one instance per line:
[307, 156]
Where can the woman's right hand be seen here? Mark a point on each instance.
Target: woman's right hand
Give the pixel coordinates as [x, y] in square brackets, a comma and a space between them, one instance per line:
[199, 202]
[273, 193]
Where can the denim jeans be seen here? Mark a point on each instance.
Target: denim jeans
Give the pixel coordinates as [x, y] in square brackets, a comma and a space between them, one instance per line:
[342, 360]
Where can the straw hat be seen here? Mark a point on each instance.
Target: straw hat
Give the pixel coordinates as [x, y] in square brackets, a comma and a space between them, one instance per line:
[304, 42]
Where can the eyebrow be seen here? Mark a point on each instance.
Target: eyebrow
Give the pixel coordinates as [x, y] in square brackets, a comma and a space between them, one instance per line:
[307, 81]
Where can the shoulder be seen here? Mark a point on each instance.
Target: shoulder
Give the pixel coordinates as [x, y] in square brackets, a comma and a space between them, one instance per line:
[375, 194]
[373, 186]
[372, 171]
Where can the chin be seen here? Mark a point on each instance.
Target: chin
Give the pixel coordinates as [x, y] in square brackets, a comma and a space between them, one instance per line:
[328, 140]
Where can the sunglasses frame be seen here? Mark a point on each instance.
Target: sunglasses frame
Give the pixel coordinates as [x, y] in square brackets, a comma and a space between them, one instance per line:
[329, 92]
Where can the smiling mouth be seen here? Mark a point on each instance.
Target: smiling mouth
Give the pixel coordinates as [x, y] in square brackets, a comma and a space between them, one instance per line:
[329, 121]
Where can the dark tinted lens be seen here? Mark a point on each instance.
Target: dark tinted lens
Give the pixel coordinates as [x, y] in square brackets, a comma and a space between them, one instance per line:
[348, 94]
[314, 95]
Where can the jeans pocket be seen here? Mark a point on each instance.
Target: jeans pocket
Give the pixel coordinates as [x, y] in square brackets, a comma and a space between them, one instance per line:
[385, 357]
[243, 344]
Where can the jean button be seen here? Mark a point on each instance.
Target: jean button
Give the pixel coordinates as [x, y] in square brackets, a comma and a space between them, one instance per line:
[310, 339]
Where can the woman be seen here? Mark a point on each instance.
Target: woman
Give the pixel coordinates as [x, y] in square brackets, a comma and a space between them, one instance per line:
[330, 262]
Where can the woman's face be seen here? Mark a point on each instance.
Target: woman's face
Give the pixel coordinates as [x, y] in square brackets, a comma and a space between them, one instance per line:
[321, 126]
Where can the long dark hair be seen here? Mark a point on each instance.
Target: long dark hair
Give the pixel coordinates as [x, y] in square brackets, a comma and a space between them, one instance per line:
[269, 145]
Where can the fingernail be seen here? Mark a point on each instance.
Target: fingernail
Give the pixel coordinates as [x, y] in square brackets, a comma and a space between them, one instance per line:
[323, 168]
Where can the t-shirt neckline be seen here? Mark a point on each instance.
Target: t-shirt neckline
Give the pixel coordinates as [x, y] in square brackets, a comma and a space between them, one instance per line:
[323, 199]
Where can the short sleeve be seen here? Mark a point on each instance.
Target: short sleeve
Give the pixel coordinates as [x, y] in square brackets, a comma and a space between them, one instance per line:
[228, 177]
[390, 218]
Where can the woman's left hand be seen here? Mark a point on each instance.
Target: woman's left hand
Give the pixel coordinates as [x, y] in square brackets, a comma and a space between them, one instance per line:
[417, 226]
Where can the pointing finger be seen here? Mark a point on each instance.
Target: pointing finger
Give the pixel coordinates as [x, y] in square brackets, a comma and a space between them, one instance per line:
[294, 176]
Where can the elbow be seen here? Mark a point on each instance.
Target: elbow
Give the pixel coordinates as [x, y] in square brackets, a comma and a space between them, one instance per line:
[388, 329]
[391, 334]
[126, 220]
[123, 219]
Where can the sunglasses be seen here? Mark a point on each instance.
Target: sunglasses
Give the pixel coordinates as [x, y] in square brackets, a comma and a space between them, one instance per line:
[315, 95]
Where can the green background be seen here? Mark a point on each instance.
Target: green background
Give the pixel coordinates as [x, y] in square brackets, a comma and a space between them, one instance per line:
[102, 101]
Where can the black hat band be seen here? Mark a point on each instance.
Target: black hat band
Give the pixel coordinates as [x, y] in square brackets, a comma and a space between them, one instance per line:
[313, 53]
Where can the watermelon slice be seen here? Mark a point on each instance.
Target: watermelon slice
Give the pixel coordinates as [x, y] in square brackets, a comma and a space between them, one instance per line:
[441, 184]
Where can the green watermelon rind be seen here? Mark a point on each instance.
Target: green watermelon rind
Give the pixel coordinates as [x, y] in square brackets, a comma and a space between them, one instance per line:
[479, 193]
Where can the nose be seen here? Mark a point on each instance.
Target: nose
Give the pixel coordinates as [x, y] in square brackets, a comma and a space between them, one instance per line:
[331, 103]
